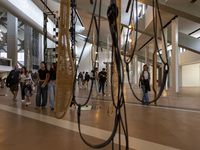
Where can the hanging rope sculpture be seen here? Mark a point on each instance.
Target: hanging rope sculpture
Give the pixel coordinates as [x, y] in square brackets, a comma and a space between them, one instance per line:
[65, 69]
[166, 65]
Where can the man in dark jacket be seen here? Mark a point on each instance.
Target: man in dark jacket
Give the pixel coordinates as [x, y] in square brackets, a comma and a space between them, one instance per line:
[87, 79]
[15, 80]
[102, 79]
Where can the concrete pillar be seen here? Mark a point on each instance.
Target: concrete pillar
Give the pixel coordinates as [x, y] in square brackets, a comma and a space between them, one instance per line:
[164, 55]
[27, 47]
[141, 67]
[170, 73]
[180, 76]
[41, 47]
[135, 69]
[175, 55]
[12, 35]
[147, 55]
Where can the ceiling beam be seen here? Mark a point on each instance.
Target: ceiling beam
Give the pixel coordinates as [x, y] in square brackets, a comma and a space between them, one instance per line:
[185, 10]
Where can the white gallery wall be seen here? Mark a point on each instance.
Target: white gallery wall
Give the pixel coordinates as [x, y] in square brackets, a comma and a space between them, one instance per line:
[191, 75]
[86, 62]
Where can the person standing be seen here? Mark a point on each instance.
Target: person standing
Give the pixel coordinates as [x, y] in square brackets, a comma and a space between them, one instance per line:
[27, 86]
[80, 79]
[144, 82]
[52, 85]
[14, 80]
[35, 76]
[87, 79]
[102, 79]
[42, 87]
[94, 77]
[23, 72]
[83, 75]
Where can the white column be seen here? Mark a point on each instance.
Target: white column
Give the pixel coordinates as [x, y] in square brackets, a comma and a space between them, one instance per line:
[175, 55]
[135, 70]
[41, 47]
[12, 35]
[164, 55]
[180, 76]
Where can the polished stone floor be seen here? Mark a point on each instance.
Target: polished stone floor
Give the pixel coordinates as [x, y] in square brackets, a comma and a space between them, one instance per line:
[172, 124]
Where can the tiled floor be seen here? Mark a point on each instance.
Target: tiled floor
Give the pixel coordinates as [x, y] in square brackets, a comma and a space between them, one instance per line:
[173, 124]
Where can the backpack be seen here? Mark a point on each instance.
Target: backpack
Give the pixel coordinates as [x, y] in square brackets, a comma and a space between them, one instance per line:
[143, 74]
[145, 82]
[9, 81]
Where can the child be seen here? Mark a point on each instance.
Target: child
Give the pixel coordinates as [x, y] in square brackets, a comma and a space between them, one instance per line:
[28, 82]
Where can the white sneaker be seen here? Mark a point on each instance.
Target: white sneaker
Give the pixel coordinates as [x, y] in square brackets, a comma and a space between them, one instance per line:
[28, 103]
[22, 100]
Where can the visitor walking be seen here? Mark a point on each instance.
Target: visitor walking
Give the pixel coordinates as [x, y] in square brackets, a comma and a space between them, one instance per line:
[144, 82]
[14, 76]
[42, 87]
[102, 79]
[27, 87]
[23, 72]
[52, 85]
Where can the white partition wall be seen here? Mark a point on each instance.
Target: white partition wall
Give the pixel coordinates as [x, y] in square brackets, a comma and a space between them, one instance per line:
[191, 75]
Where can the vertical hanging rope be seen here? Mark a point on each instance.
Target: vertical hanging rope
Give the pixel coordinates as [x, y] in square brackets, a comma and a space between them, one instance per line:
[65, 66]
[155, 58]
[93, 43]
[45, 33]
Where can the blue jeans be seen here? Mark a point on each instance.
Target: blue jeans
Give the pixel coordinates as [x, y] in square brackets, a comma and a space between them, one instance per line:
[101, 86]
[43, 92]
[22, 91]
[51, 91]
[145, 97]
[96, 86]
[27, 90]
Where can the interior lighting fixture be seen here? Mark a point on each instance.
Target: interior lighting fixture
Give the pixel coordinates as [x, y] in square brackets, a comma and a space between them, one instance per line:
[130, 40]
[130, 27]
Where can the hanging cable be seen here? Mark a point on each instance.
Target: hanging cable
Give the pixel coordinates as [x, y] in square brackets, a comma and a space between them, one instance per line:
[118, 119]
[119, 123]
[166, 66]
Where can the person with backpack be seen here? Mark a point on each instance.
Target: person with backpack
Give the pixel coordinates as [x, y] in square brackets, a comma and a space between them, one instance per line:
[144, 82]
[87, 79]
[13, 80]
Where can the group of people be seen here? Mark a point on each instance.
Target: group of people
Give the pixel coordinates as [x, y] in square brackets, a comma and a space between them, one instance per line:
[99, 79]
[45, 83]
[83, 79]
